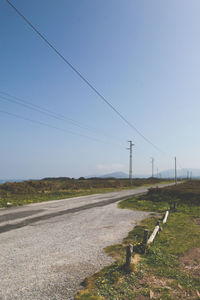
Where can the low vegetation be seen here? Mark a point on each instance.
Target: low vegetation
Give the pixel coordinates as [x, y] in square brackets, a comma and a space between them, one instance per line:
[19, 193]
[170, 268]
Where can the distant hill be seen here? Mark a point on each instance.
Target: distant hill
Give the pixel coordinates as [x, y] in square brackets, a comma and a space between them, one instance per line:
[183, 173]
[119, 175]
[115, 175]
[109, 175]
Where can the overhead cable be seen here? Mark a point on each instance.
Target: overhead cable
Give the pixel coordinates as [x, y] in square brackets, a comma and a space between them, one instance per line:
[51, 114]
[82, 77]
[48, 125]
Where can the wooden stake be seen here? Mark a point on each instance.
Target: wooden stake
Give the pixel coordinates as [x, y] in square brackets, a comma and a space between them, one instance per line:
[145, 236]
[153, 235]
[129, 252]
[165, 217]
[175, 204]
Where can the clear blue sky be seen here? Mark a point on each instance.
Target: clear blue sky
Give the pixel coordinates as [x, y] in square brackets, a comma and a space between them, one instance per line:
[142, 55]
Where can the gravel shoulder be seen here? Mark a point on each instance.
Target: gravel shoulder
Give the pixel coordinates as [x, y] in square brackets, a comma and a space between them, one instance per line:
[48, 259]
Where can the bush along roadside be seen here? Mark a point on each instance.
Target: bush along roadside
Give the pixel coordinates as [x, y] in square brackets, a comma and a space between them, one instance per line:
[33, 191]
[168, 268]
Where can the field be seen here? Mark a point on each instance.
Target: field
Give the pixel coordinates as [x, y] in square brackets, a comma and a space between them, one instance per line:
[170, 268]
[19, 193]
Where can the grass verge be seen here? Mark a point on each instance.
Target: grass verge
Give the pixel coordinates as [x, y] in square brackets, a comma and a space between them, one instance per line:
[32, 191]
[170, 268]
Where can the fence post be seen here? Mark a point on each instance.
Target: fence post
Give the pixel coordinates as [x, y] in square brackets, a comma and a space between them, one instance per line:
[145, 236]
[156, 229]
[158, 224]
[175, 204]
[165, 217]
[129, 252]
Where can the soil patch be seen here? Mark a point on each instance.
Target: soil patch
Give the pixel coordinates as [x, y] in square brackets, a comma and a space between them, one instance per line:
[197, 221]
[191, 261]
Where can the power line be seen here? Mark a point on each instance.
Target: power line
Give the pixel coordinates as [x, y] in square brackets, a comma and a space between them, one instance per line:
[81, 76]
[43, 110]
[48, 125]
[49, 113]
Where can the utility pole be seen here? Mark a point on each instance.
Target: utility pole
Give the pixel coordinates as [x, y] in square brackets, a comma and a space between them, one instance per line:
[175, 170]
[152, 167]
[130, 160]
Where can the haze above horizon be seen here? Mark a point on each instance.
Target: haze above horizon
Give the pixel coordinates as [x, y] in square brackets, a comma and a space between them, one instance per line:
[142, 56]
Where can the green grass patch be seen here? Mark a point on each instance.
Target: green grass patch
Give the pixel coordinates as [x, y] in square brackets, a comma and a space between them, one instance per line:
[32, 191]
[143, 204]
[160, 273]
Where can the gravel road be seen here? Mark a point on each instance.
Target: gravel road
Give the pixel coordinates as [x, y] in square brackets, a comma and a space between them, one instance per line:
[47, 249]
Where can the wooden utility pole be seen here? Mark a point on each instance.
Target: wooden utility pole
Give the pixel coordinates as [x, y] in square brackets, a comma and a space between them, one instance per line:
[152, 167]
[175, 179]
[131, 161]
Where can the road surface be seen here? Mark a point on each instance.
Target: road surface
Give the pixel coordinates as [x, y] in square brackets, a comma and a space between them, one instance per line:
[47, 249]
